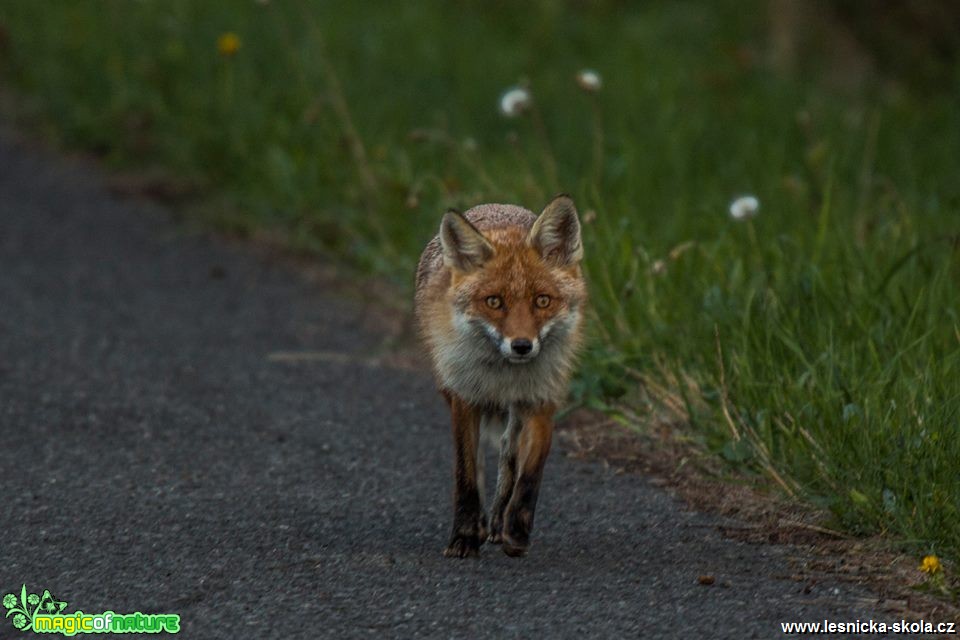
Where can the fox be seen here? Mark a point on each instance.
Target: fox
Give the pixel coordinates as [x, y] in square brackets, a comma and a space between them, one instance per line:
[499, 304]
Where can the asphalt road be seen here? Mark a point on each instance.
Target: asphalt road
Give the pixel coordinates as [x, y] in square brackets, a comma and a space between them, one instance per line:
[156, 458]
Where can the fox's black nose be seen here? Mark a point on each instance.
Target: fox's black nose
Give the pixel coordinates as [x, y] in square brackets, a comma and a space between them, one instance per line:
[521, 346]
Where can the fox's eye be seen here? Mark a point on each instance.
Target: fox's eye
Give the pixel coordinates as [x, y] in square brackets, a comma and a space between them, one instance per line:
[542, 301]
[494, 302]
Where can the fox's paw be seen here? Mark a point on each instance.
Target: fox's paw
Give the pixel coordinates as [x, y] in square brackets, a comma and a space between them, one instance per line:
[496, 531]
[514, 550]
[515, 547]
[515, 536]
[467, 538]
[463, 546]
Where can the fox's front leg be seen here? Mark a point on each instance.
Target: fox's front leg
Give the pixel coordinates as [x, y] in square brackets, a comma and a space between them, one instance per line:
[533, 446]
[469, 522]
[506, 475]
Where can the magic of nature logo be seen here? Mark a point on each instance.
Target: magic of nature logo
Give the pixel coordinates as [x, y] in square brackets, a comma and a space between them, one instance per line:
[43, 613]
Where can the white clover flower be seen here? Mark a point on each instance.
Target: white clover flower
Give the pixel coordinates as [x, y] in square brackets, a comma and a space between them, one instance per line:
[515, 102]
[744, 207]
[589, 80]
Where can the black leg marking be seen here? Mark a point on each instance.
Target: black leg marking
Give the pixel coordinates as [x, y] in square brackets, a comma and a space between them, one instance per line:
[534, 446]
[469, 523]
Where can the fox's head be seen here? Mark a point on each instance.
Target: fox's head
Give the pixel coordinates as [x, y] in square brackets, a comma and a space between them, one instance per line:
[517, 290]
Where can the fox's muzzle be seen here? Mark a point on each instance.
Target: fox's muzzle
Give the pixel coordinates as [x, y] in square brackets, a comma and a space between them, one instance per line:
[518, 350]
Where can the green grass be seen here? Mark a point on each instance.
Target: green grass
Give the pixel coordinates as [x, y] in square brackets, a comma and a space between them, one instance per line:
[816, 344]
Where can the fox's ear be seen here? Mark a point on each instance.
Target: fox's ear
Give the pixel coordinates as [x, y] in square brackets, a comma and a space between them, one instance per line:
[464, 248]
[556, 233]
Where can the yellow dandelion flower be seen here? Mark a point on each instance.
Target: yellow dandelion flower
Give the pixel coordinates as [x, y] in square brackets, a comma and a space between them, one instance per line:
[931, 565]
[228, 44]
